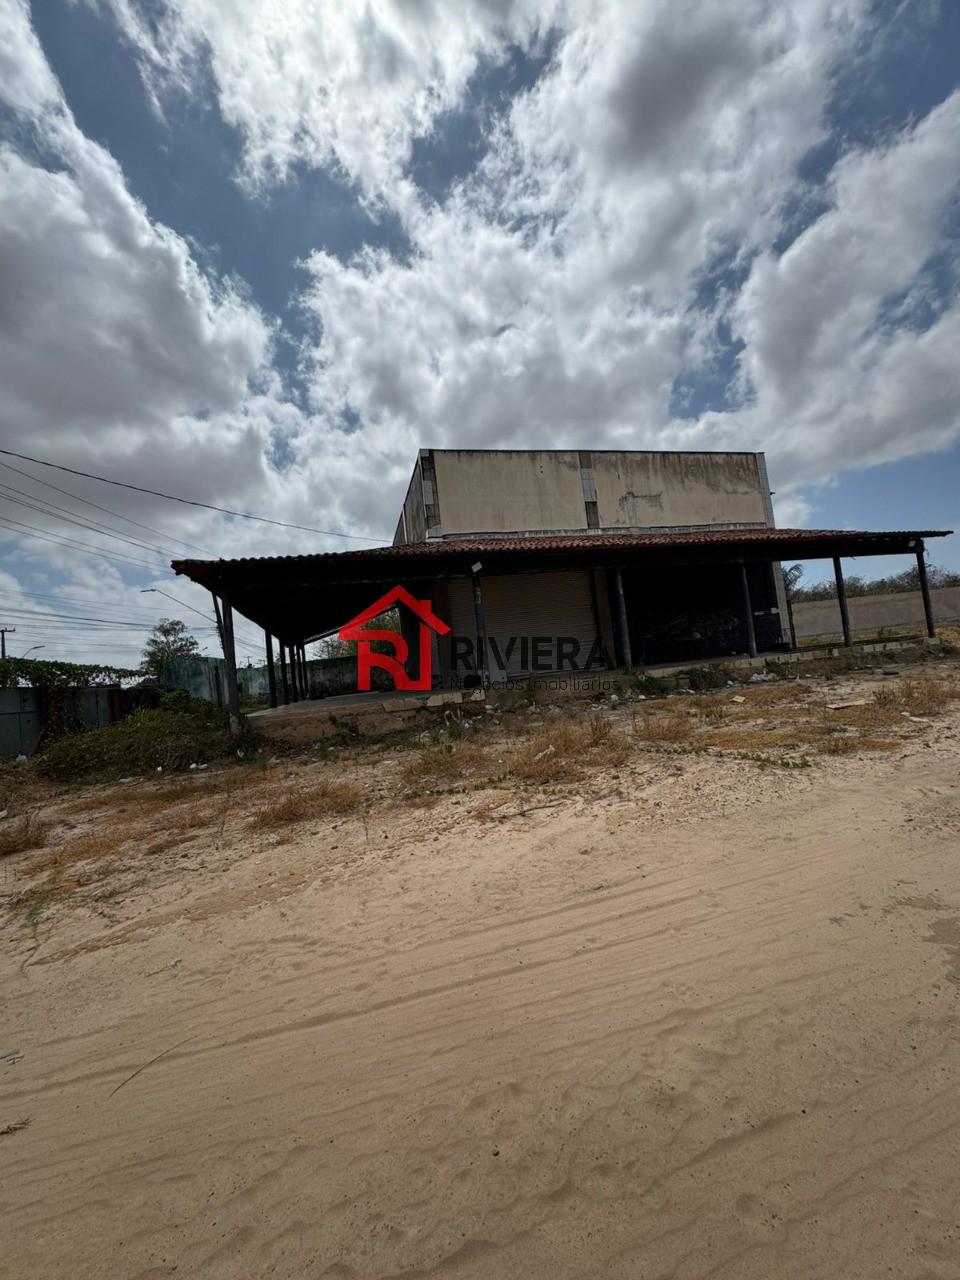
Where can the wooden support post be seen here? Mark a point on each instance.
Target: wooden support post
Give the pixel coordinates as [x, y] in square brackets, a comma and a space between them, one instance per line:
[271, 674]
[623, 624]
[842, 601]
[925, 592]
[481, 630]
[230, 666]
[748, 611]
[284, 682]
[306, 674]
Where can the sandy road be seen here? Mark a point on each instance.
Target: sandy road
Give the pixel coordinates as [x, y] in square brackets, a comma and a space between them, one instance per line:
[578, 1044]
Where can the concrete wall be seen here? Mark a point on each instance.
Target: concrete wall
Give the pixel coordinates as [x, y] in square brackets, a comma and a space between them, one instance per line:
[326, 677]
[668, 490]
[412, 524]
[21, 721]
[814, 618]
[483, 491]
[455, 492]
[202, 677]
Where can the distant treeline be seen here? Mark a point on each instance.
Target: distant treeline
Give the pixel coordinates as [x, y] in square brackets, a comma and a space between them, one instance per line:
[856, 585]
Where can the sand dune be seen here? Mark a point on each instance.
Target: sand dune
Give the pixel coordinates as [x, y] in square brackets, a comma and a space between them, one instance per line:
[604, 1040]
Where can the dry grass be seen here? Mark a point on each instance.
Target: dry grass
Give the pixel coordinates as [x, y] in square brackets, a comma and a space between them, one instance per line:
[20, 788]
[105, 842]
[422, 800]
[319, 800]
[561, 751]
[774, 694]
[675, 726]
[144, 802]
[713, 708]
[751, 737]
[440, 763]
[19, 834]
[926, 696]
[839, 745]
[195, 816]
[879, 712]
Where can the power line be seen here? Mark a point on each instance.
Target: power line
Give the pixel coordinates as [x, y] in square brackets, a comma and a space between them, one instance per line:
[74, 545]
[65, 598]
[189, 502]
[62, 514]
[135, 619]
[116, 514]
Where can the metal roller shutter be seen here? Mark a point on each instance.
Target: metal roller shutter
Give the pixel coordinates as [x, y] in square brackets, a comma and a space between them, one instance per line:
[526, 605]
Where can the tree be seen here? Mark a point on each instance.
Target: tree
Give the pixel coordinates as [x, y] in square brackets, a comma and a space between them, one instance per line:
[168, 641]
[791, 578]
[334, 648]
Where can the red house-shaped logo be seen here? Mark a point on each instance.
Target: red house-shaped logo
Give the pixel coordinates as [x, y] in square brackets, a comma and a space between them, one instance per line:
[367, 659]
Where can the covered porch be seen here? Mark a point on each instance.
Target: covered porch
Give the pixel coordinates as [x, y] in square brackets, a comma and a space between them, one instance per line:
[608, 600]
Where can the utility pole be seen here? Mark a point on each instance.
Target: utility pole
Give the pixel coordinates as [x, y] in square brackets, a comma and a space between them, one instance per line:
[4, 632]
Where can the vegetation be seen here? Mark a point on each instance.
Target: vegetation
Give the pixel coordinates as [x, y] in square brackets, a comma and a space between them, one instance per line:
[169, 641]
[562, 751]
[334, 648]
[181, 731]
[442, 762]
[856, 585]
[715, 676]
[652, 686]
[321, 800]
[17, 672]
[25, 832]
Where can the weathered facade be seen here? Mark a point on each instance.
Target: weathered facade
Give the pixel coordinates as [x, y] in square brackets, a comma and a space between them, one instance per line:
[465, 492]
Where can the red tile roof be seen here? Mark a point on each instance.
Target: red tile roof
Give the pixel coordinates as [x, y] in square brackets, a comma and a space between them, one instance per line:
[512, 544]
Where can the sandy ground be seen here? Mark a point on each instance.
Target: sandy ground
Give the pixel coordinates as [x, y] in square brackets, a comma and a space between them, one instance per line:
[699, 1019]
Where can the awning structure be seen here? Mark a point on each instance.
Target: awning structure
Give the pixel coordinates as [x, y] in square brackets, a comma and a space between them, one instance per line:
[300, 598]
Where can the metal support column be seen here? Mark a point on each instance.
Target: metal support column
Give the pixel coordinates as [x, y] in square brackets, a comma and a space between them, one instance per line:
[303, 669]
[481, 630]
[284, 682]
[230, 666]
[271, 673]
[842, 601]
[624, 626]
[748, 611]
[294, 679]
[925, 592]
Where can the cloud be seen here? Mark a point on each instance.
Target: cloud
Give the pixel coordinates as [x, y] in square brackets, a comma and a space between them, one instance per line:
[829, 379]
[348, 86]
[623, 232]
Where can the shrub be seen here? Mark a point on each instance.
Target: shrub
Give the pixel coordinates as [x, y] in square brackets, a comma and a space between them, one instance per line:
[652, 686]
[166, 737]
[700, 679]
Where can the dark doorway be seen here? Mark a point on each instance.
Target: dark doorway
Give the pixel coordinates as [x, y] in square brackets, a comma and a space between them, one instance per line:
[691, 612]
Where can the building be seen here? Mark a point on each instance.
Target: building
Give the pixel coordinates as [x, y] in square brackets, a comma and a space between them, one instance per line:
[673, 611]
[544, 561]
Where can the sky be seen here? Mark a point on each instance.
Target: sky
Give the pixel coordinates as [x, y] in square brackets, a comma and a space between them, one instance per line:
[258, 255]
